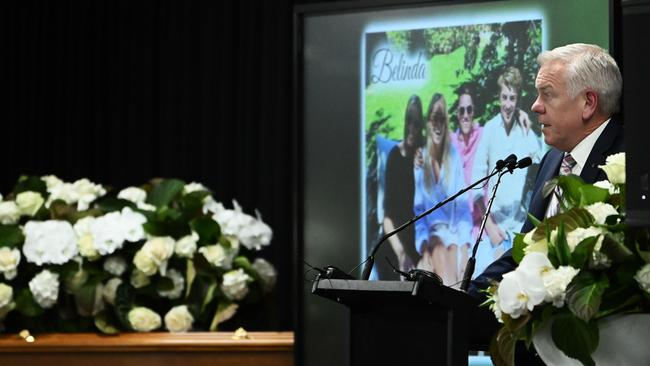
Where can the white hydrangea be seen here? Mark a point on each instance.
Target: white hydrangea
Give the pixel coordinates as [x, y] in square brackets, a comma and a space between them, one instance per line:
[144, 319]
[9, 213]
[9, 261]
[605, 184]
[132, 225]
[115, 265]
[45, 288]
[556, 282]
[579, 234]
[108, 233]
[110, 289]
[186, 246]
[267, 273]
[137, 196]
[6, 294]
[49, 242]
[235, 284]
[193, 187]
[29, 202]
[154, 254]
[615, 168]
[179, 285]
[179, 319]
[642, 277]
[601, 211]
[253, 233]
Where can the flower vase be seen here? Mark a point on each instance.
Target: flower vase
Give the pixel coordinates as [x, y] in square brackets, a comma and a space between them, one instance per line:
[623, 342]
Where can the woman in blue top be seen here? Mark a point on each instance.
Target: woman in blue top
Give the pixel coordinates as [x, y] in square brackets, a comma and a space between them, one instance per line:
[440, 234]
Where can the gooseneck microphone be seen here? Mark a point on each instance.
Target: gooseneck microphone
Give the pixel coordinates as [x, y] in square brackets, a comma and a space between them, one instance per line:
[370, 261]
[471, 262]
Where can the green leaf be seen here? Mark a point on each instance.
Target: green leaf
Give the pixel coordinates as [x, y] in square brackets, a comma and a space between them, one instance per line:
[534, 220]
[105, 322]
[642, 242]
[242, 262]
[549, 187]
[85, 297]
[518, 247]
[583, 252]
[26, 304]
[571, 188]
[164, 284]
[164, 192]
[614, 248]
[562, 249]
[209, 230]
[124, 302]
[11, 236]
[202, 292]
[110, 204]
[502, 347]
[584, 294]
[576, 338]
[590, 194]
[30, 183]
[571, 219]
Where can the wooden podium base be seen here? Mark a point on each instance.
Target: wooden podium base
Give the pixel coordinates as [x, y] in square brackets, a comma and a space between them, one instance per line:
[145, 349]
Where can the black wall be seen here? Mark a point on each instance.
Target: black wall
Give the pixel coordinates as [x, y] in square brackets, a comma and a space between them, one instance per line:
[121, 91]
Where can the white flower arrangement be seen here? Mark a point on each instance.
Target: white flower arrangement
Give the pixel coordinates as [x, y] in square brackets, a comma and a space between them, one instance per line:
[122, 259]
[575, 268]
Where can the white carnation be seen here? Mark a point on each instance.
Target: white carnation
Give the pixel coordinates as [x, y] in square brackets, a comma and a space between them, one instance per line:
[50, 241]
[29, 202]
[615, 168]
[45, 288]
[253, 233]
[110, 289]
[256, 235]
[235, 284]
[179, 319]
[143, 319]
[186, 246]
[267, 273]
[193, 187]
[9, 260]
[115, 265]
[6, 294]
[9, 213]
[179, 285]
[643, 277]
[601, 211]
[556, 282]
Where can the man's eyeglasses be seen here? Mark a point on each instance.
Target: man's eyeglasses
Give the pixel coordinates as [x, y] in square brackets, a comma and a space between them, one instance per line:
[462, 110]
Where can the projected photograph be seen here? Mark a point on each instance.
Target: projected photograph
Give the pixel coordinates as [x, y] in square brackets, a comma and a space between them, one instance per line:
[441, 106]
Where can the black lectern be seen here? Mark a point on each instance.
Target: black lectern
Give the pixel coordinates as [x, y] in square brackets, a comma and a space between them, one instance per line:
[409, 323]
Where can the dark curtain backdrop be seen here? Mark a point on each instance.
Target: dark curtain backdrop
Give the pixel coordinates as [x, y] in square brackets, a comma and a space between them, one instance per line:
[121, 91]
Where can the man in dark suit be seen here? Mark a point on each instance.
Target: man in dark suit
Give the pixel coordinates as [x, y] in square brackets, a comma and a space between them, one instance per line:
[578, 87]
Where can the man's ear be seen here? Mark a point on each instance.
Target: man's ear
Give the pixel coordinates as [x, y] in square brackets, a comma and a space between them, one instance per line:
[590, 106]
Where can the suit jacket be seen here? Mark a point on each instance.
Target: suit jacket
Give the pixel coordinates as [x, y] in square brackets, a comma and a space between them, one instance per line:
[609, 142]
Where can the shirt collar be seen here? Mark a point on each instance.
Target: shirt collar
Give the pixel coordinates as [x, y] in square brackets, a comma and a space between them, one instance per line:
[581, 152]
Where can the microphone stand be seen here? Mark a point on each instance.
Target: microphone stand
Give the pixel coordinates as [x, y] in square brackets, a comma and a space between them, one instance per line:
[471, 263]
[365, 275]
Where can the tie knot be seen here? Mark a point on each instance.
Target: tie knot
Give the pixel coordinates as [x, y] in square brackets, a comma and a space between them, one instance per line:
[567, 164]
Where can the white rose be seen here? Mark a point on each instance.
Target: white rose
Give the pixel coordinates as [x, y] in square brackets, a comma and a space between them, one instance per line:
[9, 260]
[29, 202]
[267, 273]
[115, 265]
[643, 277]
[9, 213]
[154, 254]
[605, 184]
[186, 246]
[143, 319]
[179, 319]
[133, 194]
[615, 168]
[235, 284]
[50, 241]
[215, 255]
[193, 187]
[556, 282]
[6, 294]
[579, 234]
[179, 285]
[110, 289]
[45, 288]
[601, 211]
[139, 279]
[87, 192]
[145, 263]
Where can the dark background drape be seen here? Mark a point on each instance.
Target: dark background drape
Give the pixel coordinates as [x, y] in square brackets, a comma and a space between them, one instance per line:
[121, 91]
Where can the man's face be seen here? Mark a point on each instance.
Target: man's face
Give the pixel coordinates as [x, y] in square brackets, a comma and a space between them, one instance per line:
[465, 113]
[558, 113]
[508, 99]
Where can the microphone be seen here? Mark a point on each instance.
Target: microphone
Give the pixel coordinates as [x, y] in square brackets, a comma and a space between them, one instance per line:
[471, 262]
[370, 261]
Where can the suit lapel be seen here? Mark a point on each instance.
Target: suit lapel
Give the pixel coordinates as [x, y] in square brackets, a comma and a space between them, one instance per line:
[590, 172]
[547, 171]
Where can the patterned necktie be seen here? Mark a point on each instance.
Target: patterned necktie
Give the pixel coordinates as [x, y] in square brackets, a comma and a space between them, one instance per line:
[567, 164]
[565, 169]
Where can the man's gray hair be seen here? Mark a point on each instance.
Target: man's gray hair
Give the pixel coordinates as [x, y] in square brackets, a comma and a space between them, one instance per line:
[588, 67]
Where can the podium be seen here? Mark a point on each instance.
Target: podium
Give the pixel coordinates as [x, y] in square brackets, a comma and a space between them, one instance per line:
[409, 322]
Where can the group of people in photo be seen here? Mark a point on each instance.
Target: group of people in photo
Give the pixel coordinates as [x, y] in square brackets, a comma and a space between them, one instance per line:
[432, 162]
